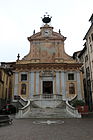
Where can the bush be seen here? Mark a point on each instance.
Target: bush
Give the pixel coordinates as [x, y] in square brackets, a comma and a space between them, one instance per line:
[77, 103]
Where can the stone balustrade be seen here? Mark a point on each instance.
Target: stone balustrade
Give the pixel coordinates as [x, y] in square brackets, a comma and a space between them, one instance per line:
[25, 109]
[72, 110]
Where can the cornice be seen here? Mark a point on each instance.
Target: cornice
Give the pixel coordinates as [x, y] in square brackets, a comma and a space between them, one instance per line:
[47, 66]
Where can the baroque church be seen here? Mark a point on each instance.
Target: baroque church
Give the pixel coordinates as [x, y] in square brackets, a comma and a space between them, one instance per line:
[47, 75]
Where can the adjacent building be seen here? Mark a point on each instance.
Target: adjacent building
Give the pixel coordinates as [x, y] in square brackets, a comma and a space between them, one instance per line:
[86, 58]
[5, 84]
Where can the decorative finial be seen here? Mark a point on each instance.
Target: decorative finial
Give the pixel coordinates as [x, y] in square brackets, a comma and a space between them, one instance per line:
[18, 56]
[59, 31]
[34, 32]
[46, 19]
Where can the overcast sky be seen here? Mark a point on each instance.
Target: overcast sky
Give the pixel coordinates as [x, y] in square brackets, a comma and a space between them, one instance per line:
[18, 19]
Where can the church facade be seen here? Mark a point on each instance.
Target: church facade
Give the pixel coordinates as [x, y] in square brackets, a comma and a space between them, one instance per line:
[47, 72]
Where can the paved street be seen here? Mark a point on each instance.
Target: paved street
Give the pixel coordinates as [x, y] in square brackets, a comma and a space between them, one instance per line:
[66, 129]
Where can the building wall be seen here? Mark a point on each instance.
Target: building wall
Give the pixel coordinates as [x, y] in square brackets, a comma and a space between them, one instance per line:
[47, 49]
[88, 63]
[86, 57]
[34, 83]
[5, 84]
[89, 42]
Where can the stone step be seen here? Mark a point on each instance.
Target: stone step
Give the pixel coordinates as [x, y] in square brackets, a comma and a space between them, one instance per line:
[61, 104]
[48, 113]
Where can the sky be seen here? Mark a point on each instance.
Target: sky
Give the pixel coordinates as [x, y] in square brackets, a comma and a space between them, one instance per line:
[19, 18]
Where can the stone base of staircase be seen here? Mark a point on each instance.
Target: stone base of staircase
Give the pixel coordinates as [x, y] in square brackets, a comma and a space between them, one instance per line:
[87, 115]
[48, 113]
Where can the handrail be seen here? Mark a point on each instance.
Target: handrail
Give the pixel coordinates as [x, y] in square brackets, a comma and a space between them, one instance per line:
[73, 98]
[47, 96]
[72, 110]
[22, 101]
[24, 110]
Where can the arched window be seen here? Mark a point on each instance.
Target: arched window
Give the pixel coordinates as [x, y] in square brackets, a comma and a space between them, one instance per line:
[23, 89]
[71, 88]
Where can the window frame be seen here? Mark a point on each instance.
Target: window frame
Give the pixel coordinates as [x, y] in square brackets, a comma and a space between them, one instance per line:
[69, 76]
[25, 78]
[92, 36]
[71, 89]
[23, 87]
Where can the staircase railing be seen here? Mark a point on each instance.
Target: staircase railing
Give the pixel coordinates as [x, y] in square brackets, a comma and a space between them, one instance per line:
[72, 110]
[47, 96]
[25, 109]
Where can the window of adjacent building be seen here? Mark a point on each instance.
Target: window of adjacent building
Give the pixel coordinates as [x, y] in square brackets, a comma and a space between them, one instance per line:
[23, 89]
[71, 88]
[71, 76]
[92, 36]
[89, 39]
[23, 77]
[0, 75]
[92, 85]
[86, 58]
[87, 72]
[90, 48]
[82, 69]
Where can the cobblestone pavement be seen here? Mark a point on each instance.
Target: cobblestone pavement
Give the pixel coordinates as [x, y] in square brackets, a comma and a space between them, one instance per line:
[29, 129]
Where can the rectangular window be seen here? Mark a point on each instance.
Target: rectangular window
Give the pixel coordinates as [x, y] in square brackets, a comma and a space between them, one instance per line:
[23, 77]
[90, 48]
[92, 85]
[87, 72]
[0, 75]
[71, 88]
[82, 69]
[23, 89]
[89, 39]
[71, 76]
[86, 58]
[92, 36]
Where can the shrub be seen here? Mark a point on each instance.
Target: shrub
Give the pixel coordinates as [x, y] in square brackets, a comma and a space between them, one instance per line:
[77, 103]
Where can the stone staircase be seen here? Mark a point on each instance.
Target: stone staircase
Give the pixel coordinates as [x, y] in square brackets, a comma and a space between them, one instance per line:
[58, 112]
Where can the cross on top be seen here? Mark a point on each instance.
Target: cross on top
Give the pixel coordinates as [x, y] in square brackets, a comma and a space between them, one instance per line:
[18, 56]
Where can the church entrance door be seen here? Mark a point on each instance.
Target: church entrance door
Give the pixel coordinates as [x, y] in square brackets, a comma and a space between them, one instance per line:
[48, 88]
